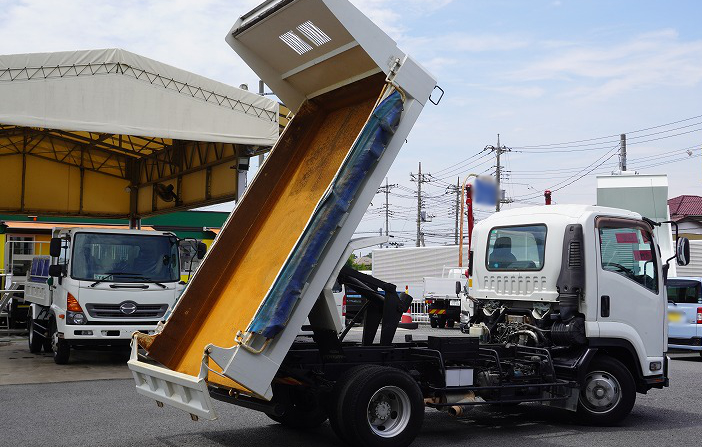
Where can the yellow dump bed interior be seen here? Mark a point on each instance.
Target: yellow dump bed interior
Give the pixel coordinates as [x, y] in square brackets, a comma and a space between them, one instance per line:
[252, 247]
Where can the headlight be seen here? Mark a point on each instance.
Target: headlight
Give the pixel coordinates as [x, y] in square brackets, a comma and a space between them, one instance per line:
[76, 318]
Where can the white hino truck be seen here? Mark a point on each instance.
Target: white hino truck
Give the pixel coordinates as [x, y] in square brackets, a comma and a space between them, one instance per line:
[98, 286]
[569, 301]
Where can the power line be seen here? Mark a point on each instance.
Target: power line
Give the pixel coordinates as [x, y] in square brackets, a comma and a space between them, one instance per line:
[569, 143]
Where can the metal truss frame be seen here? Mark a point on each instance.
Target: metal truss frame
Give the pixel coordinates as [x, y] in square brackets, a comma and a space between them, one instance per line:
[118, 68]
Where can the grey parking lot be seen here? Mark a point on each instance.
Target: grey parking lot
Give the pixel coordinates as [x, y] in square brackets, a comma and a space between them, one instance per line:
[108, 412]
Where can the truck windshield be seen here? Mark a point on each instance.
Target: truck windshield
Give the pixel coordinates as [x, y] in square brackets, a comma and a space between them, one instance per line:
[516, 248]
[125, 257]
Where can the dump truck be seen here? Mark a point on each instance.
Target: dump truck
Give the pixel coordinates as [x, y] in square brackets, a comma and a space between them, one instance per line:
[560, 317]
[98, 286]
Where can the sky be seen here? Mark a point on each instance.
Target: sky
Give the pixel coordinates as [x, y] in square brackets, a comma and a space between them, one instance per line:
[558, 80]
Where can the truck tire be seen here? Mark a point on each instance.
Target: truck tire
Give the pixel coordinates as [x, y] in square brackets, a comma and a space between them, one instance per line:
[382, 407]
[450, 324]
[36, 342]
[607, 394]
[60, 347]
[442, 322]
[433, 323]
[304, 408]
[336, 399]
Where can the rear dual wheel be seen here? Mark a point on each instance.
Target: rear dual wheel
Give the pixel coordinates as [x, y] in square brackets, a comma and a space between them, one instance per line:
[36, 342]
[376, 406]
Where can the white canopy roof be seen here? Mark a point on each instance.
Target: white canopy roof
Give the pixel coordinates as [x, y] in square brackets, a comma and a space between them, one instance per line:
[117, 92]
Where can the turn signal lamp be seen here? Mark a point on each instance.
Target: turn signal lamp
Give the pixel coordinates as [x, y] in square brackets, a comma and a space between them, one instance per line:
[699, 315]
[72, 304]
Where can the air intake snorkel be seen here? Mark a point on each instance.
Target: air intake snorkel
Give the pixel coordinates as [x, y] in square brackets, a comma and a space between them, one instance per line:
[571, 286]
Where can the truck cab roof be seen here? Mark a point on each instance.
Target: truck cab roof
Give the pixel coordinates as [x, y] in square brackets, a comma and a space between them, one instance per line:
[72, 230]
[569, 211]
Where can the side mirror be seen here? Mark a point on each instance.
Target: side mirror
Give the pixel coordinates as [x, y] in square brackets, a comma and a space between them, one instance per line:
[459, 287]
[55, 247]
[682, 251]
[55, 271]
[201, 250]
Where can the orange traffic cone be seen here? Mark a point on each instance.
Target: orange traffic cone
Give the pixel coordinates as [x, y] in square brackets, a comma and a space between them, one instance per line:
[406, 322]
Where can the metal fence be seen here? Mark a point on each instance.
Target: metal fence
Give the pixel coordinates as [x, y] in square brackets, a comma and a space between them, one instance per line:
[418, 309]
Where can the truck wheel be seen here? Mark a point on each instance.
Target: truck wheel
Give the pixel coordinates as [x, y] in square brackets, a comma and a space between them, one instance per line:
[450, 324]
[442, 322]
[607, 393]
[304, 408]
[433, 323]
[36, 342]
[336, 400]
[61, 348]
[383, 407]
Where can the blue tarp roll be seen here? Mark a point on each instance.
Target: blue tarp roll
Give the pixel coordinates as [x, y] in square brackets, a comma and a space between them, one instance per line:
[273, 315]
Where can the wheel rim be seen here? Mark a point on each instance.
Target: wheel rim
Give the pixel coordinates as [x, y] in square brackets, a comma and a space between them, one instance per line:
[54, 340]
[389, 411]
[601, 392]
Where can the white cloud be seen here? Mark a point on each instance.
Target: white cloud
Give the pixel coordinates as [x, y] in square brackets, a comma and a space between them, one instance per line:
[189, 35]
[461, 42]
[523, 92]
[603, 71]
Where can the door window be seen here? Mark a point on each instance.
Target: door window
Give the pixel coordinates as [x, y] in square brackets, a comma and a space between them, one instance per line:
[628, 250]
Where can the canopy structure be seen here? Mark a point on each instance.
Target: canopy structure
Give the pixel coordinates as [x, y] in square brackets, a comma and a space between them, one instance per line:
[109, 133]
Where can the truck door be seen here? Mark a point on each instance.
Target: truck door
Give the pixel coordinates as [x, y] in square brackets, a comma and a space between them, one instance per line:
[631, 302]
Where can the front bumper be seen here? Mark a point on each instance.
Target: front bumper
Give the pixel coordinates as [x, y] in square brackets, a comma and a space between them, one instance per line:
[685, 347]
[104, 333]
[687, 344]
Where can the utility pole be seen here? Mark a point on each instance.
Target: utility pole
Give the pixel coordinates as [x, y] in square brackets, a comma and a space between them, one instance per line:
[622, 152]
[419, 203]
[458, 205]
[498, 150]
[419, 178]
[386, 189]
[387, 207]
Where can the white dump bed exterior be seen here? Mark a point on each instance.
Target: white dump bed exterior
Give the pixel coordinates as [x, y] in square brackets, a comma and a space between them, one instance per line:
[302, 49]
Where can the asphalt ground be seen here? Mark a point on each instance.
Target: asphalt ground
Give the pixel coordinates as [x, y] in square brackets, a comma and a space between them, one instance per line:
[110, 413]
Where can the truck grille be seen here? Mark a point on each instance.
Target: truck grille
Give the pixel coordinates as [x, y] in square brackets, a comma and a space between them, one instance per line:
[127, 309]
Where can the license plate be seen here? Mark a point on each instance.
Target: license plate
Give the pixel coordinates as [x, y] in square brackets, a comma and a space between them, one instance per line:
[454, 302]
[675, 317]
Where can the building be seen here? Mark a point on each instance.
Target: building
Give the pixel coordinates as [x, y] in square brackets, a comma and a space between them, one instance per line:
[686, 210]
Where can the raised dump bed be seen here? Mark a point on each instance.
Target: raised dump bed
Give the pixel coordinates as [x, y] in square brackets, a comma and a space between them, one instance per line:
[356, 97]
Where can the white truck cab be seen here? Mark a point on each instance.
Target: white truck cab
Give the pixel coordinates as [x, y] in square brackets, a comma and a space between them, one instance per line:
[585, 281]
[99, 286]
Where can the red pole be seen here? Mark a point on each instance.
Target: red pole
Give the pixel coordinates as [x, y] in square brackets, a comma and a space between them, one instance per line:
[469, 206]
[547, 196]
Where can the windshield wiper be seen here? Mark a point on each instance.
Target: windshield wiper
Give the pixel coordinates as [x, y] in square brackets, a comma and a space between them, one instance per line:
[127, 275]
[104, 278]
